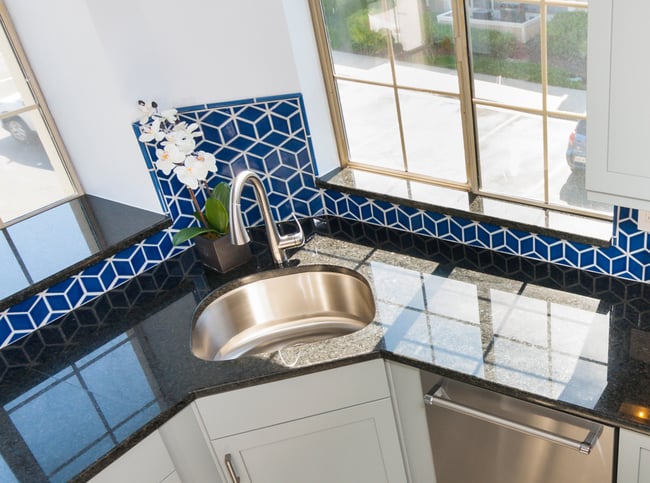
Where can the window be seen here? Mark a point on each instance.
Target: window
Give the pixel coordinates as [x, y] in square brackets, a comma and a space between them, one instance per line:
[480, 95]
[34, 173]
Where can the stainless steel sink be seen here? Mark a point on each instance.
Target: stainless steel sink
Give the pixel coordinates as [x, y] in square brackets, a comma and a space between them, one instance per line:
[281, 308]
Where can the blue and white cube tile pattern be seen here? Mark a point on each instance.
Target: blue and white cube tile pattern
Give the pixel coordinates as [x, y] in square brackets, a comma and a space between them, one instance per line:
[271, 137]
[628, 257]
[268, 135]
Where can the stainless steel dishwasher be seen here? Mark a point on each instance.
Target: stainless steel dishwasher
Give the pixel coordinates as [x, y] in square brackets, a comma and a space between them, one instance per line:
[478, 436]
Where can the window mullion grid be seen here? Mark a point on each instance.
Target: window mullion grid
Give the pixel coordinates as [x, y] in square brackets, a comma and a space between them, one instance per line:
[467, 101]
[544, 78]
[329, 79]
[467, 110]
[398, 109]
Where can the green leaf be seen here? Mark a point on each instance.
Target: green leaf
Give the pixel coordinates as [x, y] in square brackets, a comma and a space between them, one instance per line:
[188, 233]
[216, 214]
[221, 192]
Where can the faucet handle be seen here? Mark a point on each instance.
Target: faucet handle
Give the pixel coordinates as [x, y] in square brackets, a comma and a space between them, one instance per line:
[293, 240]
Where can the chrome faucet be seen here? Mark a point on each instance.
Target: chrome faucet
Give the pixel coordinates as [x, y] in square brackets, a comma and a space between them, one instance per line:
[238, 235]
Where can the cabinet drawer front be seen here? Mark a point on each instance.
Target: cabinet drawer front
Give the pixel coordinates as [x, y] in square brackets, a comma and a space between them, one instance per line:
[277, 402]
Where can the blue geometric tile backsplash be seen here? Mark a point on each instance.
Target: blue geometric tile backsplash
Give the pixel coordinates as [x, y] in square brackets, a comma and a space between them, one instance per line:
[270, 136]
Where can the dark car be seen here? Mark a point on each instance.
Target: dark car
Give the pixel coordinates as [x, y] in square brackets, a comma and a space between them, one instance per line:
[576, 151]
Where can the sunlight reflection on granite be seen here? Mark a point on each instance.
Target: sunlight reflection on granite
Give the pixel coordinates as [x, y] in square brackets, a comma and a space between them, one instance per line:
[503, 336]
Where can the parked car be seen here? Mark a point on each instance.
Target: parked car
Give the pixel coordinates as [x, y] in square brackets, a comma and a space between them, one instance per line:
[576, 151]
[19, 126]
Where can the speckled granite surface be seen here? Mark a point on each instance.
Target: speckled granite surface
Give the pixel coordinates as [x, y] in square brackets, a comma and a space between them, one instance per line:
[78, 393]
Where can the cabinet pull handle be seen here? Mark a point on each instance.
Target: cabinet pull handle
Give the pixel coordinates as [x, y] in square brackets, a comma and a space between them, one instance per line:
[437, 396]
[231, 469]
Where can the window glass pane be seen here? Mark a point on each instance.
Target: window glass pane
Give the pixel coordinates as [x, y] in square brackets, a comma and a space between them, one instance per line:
[433, 135]
[370, 119]
[506, 54]
[425, 48]
[28, 157]
[14, 93]
[511, 153]
[357, 31]
[525, 89]
[31, 173]
[567, 159]
[567, 59]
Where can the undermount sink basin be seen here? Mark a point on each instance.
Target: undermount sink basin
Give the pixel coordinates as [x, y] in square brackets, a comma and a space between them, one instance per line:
[281, 308]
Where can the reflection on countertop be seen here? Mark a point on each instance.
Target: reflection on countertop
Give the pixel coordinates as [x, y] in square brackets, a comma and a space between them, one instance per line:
[108, 373]
[47, 248]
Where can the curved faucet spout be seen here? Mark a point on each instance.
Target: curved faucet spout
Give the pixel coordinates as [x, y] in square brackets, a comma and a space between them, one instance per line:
[238, 235]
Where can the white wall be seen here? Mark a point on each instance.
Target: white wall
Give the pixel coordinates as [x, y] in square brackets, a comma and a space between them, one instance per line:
[310, 74]
[95, 58]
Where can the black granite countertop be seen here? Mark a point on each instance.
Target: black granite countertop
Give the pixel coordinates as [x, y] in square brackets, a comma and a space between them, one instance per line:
[78, 233]
[78, 393]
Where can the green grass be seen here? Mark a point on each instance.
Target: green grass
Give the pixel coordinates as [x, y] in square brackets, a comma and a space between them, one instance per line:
[513, 69]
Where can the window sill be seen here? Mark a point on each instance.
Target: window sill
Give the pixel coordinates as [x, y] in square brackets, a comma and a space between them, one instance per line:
[39, 252]
[547, 222]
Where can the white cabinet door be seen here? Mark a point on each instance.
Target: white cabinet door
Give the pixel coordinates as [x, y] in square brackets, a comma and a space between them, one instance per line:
[147, 462]
[633, 457]
[352, 445]
[618, 163]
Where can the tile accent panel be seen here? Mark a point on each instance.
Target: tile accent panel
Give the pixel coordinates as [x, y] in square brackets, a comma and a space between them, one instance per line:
[270, 136]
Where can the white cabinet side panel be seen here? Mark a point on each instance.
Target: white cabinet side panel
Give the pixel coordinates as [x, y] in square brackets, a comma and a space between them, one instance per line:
[189, 449]
[408, 400]
[147, 462]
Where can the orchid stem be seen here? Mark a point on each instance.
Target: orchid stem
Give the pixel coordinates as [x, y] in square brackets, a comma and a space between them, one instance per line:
[195, 202]
[207, 188]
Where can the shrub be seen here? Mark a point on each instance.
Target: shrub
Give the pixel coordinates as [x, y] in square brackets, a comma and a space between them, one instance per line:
[500, 45]
[364, 40]
[440, 38]
[567, 35]
[336, 15]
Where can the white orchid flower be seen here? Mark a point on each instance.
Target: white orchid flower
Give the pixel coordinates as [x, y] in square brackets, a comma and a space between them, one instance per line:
[182, 136]
[147, 109]
[151, 131]
[169, 115]
[193, 130]
[169, 158]
[191, 172]
[208, 159]
[183, 143]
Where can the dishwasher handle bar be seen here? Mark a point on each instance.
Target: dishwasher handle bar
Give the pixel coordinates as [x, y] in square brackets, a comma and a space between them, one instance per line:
[436, 397]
